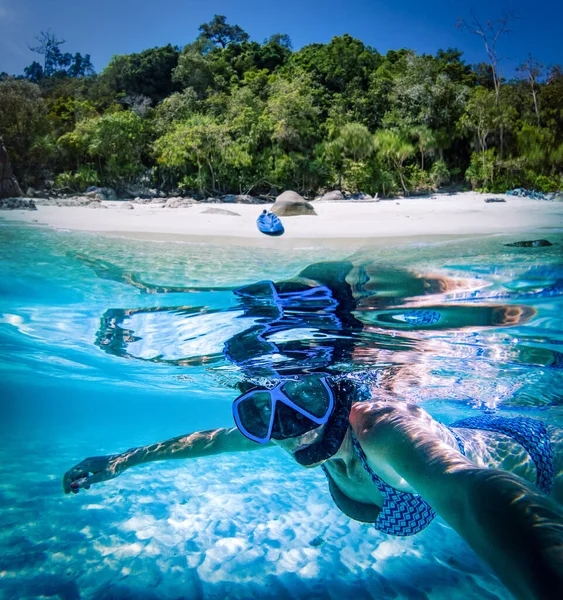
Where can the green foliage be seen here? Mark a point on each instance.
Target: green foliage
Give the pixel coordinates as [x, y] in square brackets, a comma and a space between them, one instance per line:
[148, 73]
[23, 119]
[56, 63]
[481, 170]
[219, 32]
[227, 114]
[197, 149]
[114, 143]
[394, 149]
[79, 181]
[195, 69]
[440, 174]
[291, 114]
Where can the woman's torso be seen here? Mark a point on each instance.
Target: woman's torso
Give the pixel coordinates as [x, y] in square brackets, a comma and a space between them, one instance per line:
[356, 494]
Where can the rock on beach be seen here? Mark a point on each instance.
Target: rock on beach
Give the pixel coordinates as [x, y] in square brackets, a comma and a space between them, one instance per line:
[291, 204]
[17, 204]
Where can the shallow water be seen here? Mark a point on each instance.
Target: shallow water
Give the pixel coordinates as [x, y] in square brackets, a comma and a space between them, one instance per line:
[106, 344]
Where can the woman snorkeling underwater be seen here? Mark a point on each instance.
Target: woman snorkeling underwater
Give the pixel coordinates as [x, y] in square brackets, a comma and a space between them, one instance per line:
[391, 464]
[497, 481]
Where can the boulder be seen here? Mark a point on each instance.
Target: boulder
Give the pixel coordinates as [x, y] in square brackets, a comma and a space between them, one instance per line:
[291, 204]
[178, 203]
[220, 211]
[246, 199]
[137, 191]
[9, 187]
[101, 193]
[363, 197]
[70, 201]
[125, 205]
[242, 199]
[334, 196]
[17, 204]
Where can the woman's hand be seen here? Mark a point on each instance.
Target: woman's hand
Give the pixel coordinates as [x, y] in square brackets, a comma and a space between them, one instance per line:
[92, 470]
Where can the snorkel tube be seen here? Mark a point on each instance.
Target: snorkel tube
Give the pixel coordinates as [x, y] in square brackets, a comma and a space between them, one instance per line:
[345, 394]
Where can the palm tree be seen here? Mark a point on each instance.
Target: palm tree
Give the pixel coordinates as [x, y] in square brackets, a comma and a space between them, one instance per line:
[425, 140]
[393, 148]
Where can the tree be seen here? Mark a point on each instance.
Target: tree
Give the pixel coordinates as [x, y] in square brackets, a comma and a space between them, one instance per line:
[8, 183]
[217, 31]
[148, 73]
[34, 72]
[48, 46]
[394, 149]
[22, 120]
[177, 107]
[55, 62]
[425, 140]
[353, 144]
[280, 39]
[115, 142]
[532, 70]
[201, 143]
[480, 117]
[490, 34]
[81, 66]
[195, 68]
[551, 99]
[291, 113]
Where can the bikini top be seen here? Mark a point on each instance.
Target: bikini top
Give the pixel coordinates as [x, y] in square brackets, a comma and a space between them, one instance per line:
[405, 513]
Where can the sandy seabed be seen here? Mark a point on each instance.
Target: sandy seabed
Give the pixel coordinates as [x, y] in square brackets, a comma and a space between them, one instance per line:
[447, 215]
[246, 526]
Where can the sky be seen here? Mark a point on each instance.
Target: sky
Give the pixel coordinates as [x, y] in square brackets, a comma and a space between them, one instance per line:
[103, 28]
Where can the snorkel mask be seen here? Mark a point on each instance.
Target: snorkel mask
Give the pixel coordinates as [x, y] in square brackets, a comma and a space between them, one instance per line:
[294, 407]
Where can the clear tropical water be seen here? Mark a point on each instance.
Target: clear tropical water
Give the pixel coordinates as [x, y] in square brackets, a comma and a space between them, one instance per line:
[102, 349]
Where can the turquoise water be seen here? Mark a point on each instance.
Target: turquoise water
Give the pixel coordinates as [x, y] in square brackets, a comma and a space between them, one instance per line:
[101, 349]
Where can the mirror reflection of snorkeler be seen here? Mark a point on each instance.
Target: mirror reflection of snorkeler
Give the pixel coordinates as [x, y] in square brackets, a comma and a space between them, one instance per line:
[497, 481]
[331, 308]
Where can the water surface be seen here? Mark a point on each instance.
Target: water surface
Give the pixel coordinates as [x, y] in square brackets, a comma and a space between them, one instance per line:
[105, 344]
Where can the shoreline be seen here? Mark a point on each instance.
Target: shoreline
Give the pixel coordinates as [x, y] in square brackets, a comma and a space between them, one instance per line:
[435, 218]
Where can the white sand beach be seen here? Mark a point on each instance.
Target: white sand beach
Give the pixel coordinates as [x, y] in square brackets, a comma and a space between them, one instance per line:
[461, 214]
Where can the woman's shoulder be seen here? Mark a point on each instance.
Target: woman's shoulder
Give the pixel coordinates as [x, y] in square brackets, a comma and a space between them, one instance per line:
[382, 420]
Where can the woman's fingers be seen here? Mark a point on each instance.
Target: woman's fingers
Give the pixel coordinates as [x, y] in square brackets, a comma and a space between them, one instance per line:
[79, 477]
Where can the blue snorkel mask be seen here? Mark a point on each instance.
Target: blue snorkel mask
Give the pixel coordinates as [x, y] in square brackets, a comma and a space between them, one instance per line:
[290, 409]
[294, 407]
[298, 335]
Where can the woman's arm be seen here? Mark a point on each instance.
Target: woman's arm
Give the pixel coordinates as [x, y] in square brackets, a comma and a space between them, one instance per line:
[515, 529]
[194, 445]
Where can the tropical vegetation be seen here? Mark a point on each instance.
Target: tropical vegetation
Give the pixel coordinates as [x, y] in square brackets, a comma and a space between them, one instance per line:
[226, 114]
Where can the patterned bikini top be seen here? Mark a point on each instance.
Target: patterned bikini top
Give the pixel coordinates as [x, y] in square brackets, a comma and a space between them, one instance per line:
[404, 513]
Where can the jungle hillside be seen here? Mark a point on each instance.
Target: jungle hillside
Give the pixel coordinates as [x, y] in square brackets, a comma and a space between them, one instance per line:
[226, 114]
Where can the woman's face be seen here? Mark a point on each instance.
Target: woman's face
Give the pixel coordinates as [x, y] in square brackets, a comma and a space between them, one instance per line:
[294, 444]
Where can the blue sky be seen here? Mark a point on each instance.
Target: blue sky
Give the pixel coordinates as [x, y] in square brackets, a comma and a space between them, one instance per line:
[106, 27]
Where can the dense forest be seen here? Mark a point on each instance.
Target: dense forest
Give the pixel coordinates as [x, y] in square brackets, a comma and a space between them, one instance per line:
[229, 115]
